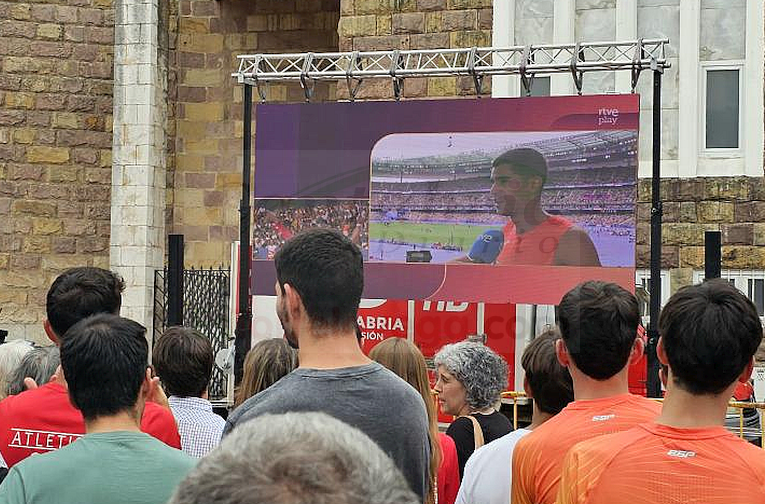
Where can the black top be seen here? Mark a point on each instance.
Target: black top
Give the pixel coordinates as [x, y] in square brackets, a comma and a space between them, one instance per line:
[493, 426]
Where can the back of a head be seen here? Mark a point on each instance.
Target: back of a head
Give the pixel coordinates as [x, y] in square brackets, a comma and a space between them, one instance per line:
[478, 368]
[104, 358]
[81, 292]
[183, 360]
[40, 364]
[710, 332]
[524, 161]
[550, 382]
[598, 322]
[266, 363]
[326, 269]
[295, 458]
[11, 354]
[405, 359]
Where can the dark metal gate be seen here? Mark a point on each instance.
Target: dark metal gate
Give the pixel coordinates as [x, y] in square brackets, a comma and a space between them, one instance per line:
[206, 294]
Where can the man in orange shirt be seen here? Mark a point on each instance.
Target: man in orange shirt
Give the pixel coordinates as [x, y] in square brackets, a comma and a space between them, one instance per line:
[709, 334]
[598, 323]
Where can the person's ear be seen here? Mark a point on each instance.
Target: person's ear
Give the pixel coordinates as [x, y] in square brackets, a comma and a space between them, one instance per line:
[561, 352]
[50, 332]
[526, 388]
[293, 300]
[748, 370]
[638, 348]
[661, 352]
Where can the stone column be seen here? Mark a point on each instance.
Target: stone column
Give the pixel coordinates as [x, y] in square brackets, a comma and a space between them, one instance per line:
[138, 168]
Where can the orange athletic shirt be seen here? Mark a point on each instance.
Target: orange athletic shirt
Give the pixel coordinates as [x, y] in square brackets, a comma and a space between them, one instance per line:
[658, 464]
[538, 457]
[536, 246]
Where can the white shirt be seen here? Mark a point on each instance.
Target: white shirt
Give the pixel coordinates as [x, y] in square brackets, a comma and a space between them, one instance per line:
[200, 429]
[488, 472]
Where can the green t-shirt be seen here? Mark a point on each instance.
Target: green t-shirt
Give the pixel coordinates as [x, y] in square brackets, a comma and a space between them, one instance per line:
[109, 467]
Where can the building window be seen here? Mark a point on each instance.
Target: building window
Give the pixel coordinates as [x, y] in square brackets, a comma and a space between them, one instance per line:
[722, 107]
[757, 294]
[540, 86]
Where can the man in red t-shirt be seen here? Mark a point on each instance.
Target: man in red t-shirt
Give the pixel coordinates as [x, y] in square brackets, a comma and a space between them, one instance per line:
[43, 419]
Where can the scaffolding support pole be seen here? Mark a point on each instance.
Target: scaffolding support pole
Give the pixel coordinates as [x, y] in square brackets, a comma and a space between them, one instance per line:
[653, 384]
[243, 340]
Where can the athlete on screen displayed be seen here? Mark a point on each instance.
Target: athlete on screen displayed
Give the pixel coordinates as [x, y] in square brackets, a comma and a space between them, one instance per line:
[531, 235]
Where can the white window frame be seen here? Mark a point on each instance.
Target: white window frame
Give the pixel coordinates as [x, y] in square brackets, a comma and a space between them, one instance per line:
[642, 275]
[712, 153]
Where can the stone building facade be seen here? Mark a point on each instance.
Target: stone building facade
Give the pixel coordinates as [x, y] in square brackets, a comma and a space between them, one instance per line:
[56, 60]
[174, 161]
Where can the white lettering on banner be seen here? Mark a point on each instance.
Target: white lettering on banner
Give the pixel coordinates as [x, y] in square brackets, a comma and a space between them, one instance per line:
[373, 336]
[608, 116]
[41, 440]
[447, 306]
[381, 323]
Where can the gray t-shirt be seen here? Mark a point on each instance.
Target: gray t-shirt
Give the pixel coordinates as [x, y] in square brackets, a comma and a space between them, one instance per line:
[369, 397]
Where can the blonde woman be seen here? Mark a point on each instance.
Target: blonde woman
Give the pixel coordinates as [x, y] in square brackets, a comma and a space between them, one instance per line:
[405, 359]
[266, 362]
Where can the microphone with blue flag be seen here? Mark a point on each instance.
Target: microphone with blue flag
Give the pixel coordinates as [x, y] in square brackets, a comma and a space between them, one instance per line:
[487, 247]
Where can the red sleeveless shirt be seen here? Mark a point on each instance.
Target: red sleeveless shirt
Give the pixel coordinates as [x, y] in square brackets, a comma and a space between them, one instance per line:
[537, 246]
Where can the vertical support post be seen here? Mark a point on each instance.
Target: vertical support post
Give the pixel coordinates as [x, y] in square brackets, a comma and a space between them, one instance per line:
[712, 254]
[175, 280]
[243, 340]
[653, 383]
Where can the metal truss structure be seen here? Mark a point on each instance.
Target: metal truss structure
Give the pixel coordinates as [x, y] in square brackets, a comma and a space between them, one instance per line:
[259, 70]
[476, 62]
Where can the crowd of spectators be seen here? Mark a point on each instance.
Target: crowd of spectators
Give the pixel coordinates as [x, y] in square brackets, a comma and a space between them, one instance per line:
[273, 227]
[318, 421]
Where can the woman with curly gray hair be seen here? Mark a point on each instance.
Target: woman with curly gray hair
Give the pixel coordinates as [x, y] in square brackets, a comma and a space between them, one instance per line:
[470, 379]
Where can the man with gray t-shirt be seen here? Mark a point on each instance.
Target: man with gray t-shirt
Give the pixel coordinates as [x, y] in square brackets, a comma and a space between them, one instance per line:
[319, 283]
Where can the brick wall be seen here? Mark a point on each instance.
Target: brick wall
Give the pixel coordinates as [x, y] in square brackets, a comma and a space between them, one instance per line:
[55, 148]
[205, 162]
[369, 25]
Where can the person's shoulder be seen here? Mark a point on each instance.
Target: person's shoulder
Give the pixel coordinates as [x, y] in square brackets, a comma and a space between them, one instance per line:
[501, 446]
[460, 425]
[262, 402]
[748, 454]
[170, 456]
[562, 222]
[550, 431]
[50, 392]
[56, 460]
[608, 446]
[49, 397]
[644, 404]
[393, 388]
[155, 411]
